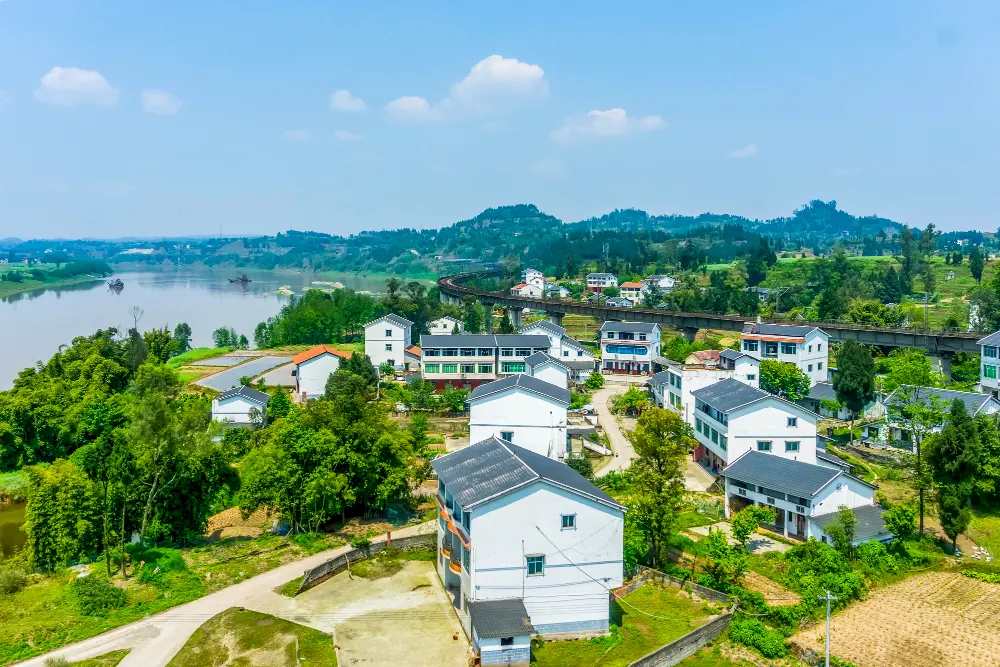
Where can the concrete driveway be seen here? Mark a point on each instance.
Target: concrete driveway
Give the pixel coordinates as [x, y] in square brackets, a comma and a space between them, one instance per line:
[230, 377]
[621, 448]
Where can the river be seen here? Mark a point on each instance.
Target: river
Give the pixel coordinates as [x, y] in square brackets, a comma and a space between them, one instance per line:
[12, 535]
[34, 324]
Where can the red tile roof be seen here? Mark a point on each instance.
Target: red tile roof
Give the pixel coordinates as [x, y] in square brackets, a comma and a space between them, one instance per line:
[314, 352]
[632, 285]
[414, 350]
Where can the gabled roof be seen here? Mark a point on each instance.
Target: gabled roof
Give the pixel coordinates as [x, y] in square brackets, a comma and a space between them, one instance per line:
[544, 325]
[823, 391]
[494, 467]
[500, 618]
[869, 522]
[413, 349]
[601, 275]
[634, 327]
[729, 394]
[785, 475]
[631, 285]
[789, 330]
[706, 355]
[525, 383]
[519, 285]
[832, 458]
[393, 318]
[733, 355]
[539, 358]
[566, 341]
[447, 317]
[246, 392]
[973, 402]
[314, 352]
[619, 301]
[656, 379]
[992, 339]
[484, 340]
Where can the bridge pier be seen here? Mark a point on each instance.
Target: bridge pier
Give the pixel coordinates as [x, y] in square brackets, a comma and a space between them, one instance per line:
[941, 363]
[555, 318]
[515, 317]
[689, 333]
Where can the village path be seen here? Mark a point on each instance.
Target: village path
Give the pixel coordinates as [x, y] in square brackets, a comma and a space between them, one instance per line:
[622, 450]
[154, 641]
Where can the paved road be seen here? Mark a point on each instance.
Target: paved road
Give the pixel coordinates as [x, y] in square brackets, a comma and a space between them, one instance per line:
[154, 641]
[230, 377]
[622, 449]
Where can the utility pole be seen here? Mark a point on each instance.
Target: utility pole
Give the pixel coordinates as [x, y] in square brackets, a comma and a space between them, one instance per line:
[829, 598]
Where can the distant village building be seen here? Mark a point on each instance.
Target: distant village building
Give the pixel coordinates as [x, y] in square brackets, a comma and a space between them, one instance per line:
[530, 290]
[233, 406]
[577, 357]
[633, 291]
[807, 347]
[445, 326]
[553, 290]
[312, 369]
[386, 339]
[665, 284]
[629, 347]
[522, 409]
[468, 360]
[620, 302]
[546, 367]
[598, 282]
[989, 362]
[889, 431]
[673, 386]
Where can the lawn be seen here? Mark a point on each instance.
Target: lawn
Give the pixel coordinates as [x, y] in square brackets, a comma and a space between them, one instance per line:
[14, 486]
[243, 637]
[644, 621]
[197, 354]
[985, 531]
[106, 660]
[711, 656]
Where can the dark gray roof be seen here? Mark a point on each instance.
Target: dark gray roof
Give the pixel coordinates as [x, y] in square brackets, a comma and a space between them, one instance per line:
[634, 327]
[521, 381]
[484, 340]
[619, 302]
[247, 393]
[732, 354]
[778, 329]
[992, 339]
[573, 343]
[544, 324]
[834, 459]
[493, 467]
[823, 391]
[539, 358]
[973, 401]
[394, 318]
[500, 618]
[578, 364]
[663, 377]
[870, 523]
[601, 275]
[729, 394]
[776, 472]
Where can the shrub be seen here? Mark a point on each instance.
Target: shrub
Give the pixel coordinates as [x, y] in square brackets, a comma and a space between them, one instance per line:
[57, 662]
[992, 578]
[877, 557]
[95, 596]
[594, 381]
[12, 581]
[753, 633]
[582, 465]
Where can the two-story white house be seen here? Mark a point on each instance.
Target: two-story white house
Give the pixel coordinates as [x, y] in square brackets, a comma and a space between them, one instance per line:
[806, 497]
[805, 346]
[468, 360]
[530, 290]
[629, 347]
[516, 526]
[556, 291]
[233, 406]
[664, 283]
[386, 339]
[731, 418]
[522, 409]
[546, 367]
[445, 326]
[989, 362]
[571, 352]
[313, 367]
[531, 276]
[633, 291]
[598, 282]
[672, 387]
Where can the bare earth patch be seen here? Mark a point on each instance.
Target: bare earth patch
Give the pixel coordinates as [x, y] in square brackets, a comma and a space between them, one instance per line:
[932, 619]
[775, 594]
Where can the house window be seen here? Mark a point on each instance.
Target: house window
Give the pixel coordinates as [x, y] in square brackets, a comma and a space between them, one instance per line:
[506, 641]
[723, 442]
[565, 353]
[467, 521]
[449, 368]
[468, 368]
[579, 353]
[810, 367]
[788, 348]
[388, 347]
[819, 366]
[432, 353]
[465, 559]
[507, 352]
[485, 368]
[750, 345]
[751, 376]
[793, 421]
[791, 445]
[770, 349]
[989, 351]
[763, 445]
[507, 435]
[697, 425]
[432, 368]
[642, 336]
[715, 436]
[468, 352]
[388, 333]
[810, 348]
[819, 347]
[485, 352]
[569, 522]
[512, 367]
[536, 565]
[611, 334]
[990, 372]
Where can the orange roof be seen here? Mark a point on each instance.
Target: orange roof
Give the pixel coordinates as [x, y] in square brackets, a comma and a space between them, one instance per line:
[632, 285]
[314, 352]
[706, 355]
[519, 285]
[414, 350]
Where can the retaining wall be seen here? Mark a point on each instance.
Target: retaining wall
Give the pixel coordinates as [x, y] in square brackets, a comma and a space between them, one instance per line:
[338, 564]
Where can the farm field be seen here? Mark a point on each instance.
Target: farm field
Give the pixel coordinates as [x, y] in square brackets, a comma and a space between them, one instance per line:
[938, 618]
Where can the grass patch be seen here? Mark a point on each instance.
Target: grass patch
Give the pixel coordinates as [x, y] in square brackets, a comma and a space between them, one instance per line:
[243, 637]
[197, 354]
[290, 589]
[711, 656]
[692, 519]
[985, 531]
[669, 613]
[14, 486]
[106, 660]
[389, 562]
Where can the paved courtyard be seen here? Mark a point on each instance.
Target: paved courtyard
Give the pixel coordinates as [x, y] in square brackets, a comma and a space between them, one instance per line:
[230, 378]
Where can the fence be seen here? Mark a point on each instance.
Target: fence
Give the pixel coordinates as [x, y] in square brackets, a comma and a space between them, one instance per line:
[338, 564]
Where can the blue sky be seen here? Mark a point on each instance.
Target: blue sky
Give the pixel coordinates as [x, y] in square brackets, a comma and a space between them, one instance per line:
[186, 117]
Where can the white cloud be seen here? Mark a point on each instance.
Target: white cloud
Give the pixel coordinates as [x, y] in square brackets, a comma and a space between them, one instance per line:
[342, 100]
[297, 135]
[493, 84]
[610, 123]
[345, 135]
[160, 102]
[747, 151]
[67, 86]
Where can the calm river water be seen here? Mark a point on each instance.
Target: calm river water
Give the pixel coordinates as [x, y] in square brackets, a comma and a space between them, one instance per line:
[34, 324]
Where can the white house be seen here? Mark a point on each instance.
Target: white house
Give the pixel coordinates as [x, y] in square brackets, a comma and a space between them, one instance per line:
[386, 339]
[806, 497]
[890, 431]
[988, 367]
[571, 352]
[530, 290]
[522, 409]
[532, 276]
[467, 360]
[620, 302]
[598, 282]
[445, 326]
[634, 291]
[824, 393]
[629, 347]
[665, 283]
[732, 418]
[313, 367]
[557, 291]
[546, 367]
[805, 346]
[233, 406]
[672, 386]
[514, 525]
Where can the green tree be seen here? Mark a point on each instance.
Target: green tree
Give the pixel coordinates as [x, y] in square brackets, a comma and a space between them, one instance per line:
[611, 292]
[506, 326]
[182, 339]
[581, 464]
[907, 366]
[280, 404]
[874, 313]
[473, 315]
[632, 402]
[362, 366]
[159, 343]
[918, 411]
[953, 456]
[976, 263]
[61, 515]
[725, 563]
[661, 440]
[843, 531]
[854, 382]
[594, 381]
[748, 519]
[987, 488]
[901, 522]
[783, 379]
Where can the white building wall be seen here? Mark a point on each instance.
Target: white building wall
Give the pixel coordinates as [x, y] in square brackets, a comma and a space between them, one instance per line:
[311, 375]
[536, 422]
[693, 379]
[444, 326]
[553, 374]
[235, 410]
[528, 521]
[843, 491]
[747, 371]
[762, 421]
[385, 341]
[812, 355]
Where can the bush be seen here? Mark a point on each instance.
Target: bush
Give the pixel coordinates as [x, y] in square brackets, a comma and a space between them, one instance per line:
[753, 633]
[877, 557]
[582, 465]
[594, 381]
[95, 596]
[57, 662]
[12, 581]
[992, 578]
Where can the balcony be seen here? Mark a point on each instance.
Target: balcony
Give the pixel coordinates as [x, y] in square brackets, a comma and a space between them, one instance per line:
[446, 550]
[454, 567]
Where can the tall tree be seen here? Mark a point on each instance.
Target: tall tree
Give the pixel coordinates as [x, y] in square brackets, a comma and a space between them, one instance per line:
[182, 338]
[987, 490]
[661, 440]
[506, 326]
[953, 456]
[918, 410]
[783, 379]
[854, 382]
[976, 263]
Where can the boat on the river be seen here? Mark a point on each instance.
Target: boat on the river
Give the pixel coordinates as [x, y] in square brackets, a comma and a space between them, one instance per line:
[242, 279]
[116, 284]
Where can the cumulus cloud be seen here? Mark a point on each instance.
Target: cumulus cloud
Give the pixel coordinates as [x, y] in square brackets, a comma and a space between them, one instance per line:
[345, 135]
[493, 84]
[297, 135]
[160, 102]
[747, 151]
[610, 123]
[68, 86]
[342, 100]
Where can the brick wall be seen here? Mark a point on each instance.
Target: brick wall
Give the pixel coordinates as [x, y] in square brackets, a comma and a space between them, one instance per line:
[338, 564]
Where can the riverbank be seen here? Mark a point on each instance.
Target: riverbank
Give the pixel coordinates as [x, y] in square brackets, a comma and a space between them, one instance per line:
[8, 289]
[362, 281]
